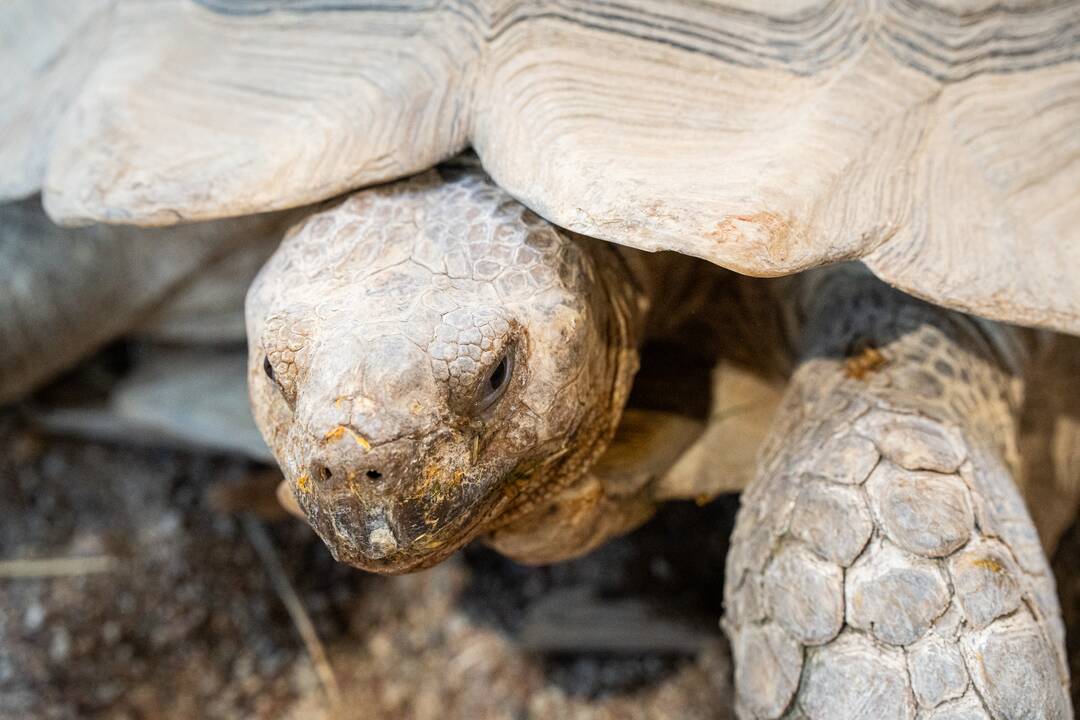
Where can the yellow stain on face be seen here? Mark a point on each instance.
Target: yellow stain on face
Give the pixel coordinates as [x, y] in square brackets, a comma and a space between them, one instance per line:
[431, 473]
[431, 521]
[429, 480]
[303, 483]
[435, 486]
[360, 440]
[416, 408]
[340, 431]
[427, 542]
[350, 481]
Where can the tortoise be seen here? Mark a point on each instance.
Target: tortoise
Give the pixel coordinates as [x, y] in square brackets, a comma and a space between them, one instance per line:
[906, 131]
[768, 142]
[432, 362]
[652, 455]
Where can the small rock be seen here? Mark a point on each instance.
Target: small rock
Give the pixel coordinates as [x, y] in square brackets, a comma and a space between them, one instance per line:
[34, 617]
[110, 632]
[59, 645]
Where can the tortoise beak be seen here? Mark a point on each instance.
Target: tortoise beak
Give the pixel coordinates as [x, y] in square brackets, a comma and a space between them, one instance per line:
[396, 507]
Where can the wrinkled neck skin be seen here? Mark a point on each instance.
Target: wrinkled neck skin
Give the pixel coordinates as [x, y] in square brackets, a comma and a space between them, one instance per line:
[620, 300]
[430, 362]
[564, 510]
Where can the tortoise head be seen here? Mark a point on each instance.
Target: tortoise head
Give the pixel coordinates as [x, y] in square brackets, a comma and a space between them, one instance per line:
[427, 358]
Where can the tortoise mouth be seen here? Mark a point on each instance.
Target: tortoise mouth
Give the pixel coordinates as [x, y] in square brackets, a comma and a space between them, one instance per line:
[404, 562]
[391, 544]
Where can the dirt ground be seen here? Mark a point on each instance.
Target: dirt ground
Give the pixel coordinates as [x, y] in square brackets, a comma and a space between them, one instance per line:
[184, 621]
[165, 608]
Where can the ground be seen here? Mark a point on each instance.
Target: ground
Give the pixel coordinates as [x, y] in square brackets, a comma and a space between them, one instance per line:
[170, 608]
[185, 620]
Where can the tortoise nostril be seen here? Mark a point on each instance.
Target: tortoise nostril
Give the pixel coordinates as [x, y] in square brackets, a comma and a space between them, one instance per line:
[373, 474]
[323, 472]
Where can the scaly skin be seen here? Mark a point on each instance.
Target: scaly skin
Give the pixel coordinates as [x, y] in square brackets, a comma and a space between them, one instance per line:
[883, 563]
[375, 332]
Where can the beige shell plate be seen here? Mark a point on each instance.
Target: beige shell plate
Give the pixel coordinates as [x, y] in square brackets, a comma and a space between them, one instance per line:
[936, 141]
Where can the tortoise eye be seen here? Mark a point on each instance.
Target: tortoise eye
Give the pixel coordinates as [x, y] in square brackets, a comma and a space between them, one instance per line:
[495, 382]
[285, 385]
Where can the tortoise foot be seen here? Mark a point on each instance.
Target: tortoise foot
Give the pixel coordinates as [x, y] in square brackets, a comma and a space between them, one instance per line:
[883, 564]
[863, 584]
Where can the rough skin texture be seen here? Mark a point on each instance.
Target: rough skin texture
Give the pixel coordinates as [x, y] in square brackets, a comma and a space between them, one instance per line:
[883, 564]
[431, 361]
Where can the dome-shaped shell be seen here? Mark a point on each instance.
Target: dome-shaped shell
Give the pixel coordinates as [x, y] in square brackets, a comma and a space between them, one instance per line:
[935, 140]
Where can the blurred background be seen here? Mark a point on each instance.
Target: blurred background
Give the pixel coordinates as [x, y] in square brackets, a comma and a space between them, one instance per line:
[146, 568]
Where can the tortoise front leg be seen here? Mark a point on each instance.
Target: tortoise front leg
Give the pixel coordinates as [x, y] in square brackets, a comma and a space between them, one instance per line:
[883, 564]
